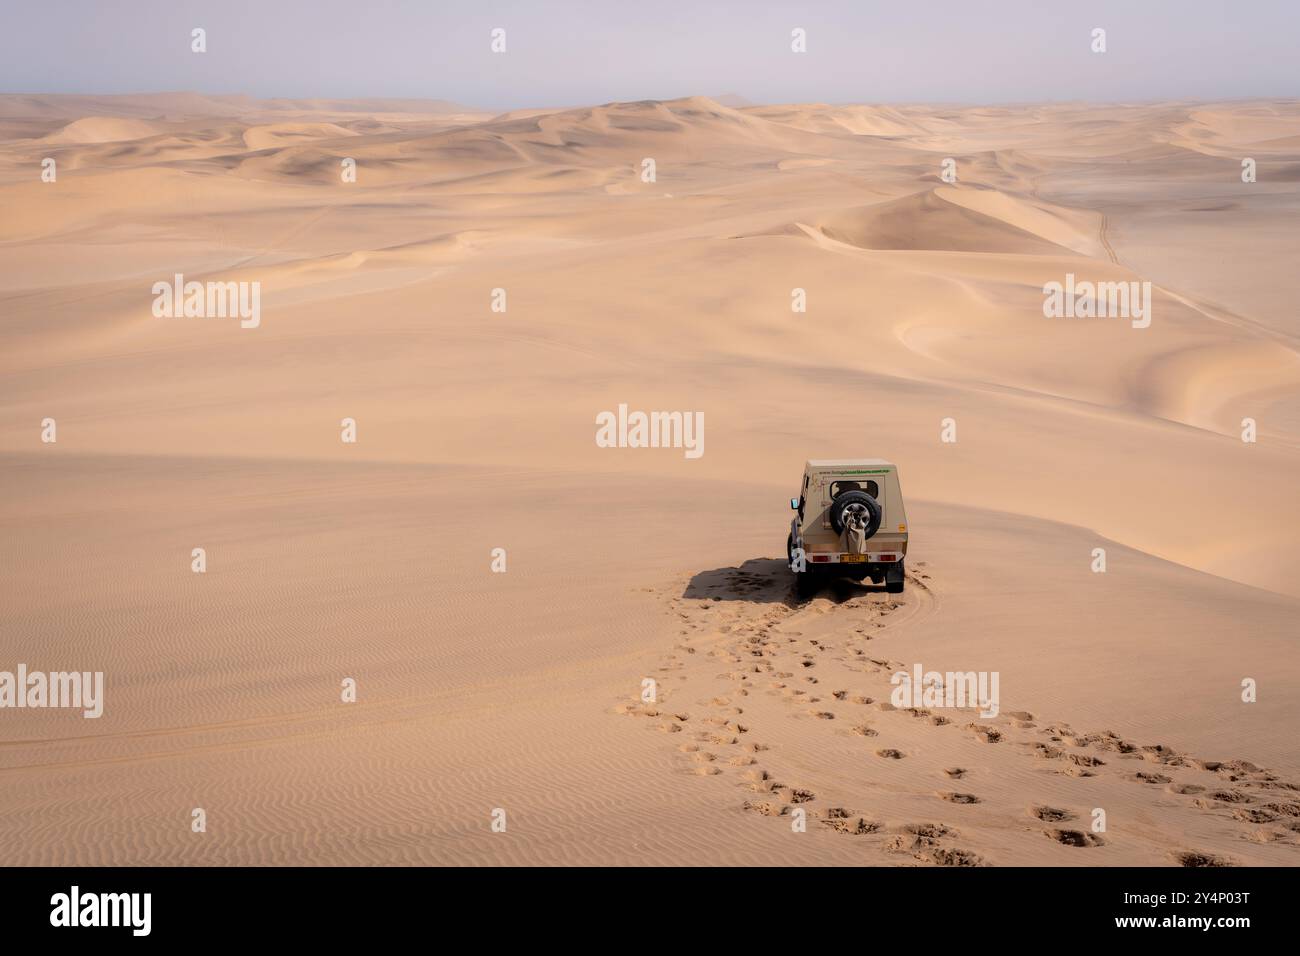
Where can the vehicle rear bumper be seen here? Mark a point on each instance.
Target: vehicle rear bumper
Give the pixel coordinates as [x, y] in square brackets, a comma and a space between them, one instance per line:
[874, 557]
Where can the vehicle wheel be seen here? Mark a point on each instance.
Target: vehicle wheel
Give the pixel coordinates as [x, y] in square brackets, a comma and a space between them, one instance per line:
[894, 578]
[856, 502]
[807, 584]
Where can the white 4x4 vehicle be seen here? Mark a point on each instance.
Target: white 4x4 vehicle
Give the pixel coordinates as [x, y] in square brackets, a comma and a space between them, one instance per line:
[850, 523]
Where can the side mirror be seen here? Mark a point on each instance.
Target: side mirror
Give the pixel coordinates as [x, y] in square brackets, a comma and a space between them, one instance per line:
[794, 504]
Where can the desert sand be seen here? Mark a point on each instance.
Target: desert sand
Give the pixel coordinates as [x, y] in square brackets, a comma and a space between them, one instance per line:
[521, 691]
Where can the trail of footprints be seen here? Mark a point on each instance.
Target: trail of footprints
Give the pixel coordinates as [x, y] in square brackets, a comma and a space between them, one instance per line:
[738, 628]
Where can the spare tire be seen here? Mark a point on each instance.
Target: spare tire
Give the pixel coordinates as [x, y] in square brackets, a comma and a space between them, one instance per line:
[856, 501]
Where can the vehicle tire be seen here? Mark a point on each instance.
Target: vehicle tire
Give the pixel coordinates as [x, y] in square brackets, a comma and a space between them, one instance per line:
[894, 579]
[858, 501]
[807, 583]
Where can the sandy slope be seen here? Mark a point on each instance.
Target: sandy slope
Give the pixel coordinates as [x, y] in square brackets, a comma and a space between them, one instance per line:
[520, 690]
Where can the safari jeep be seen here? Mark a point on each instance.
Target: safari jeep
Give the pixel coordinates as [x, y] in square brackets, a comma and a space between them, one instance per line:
[850, 523]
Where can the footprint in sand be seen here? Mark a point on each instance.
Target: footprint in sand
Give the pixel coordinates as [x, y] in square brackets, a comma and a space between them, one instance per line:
[924, 841]
[848, 821]
[1075, 838]
[987, 734]
[1085, 760]
[1272, 836]
[1073, 771]
[1051, 814]
[1159, 753]
[1143, 777]
[760, 781]
[1230, 796]
[1255, 815]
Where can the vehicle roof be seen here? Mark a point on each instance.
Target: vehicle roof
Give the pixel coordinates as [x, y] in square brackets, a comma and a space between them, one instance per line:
[848, 463]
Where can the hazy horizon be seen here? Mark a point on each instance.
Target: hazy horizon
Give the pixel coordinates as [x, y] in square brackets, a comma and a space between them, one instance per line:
[582, 52]
[719, 97]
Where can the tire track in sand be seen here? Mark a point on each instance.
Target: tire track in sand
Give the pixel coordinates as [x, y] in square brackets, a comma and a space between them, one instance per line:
[1105, 241]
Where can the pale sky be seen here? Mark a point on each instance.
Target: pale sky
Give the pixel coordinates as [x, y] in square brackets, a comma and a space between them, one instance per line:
[566, 52]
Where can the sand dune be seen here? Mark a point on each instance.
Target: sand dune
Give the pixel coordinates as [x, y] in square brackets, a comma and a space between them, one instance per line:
[856, 120]
[282, 134]
[931, 221]
[521, 690]
[101, 129]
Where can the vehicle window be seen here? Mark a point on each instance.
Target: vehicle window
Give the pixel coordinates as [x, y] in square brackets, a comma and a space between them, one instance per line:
[839, 487]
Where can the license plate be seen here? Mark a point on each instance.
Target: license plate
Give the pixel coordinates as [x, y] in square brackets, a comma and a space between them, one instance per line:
[853, 558]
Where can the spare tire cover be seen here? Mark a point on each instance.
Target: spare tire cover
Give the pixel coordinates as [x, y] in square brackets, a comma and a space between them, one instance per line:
[856, 501]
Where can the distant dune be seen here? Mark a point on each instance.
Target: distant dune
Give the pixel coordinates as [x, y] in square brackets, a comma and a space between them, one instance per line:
[102, 129]
[47, 105]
